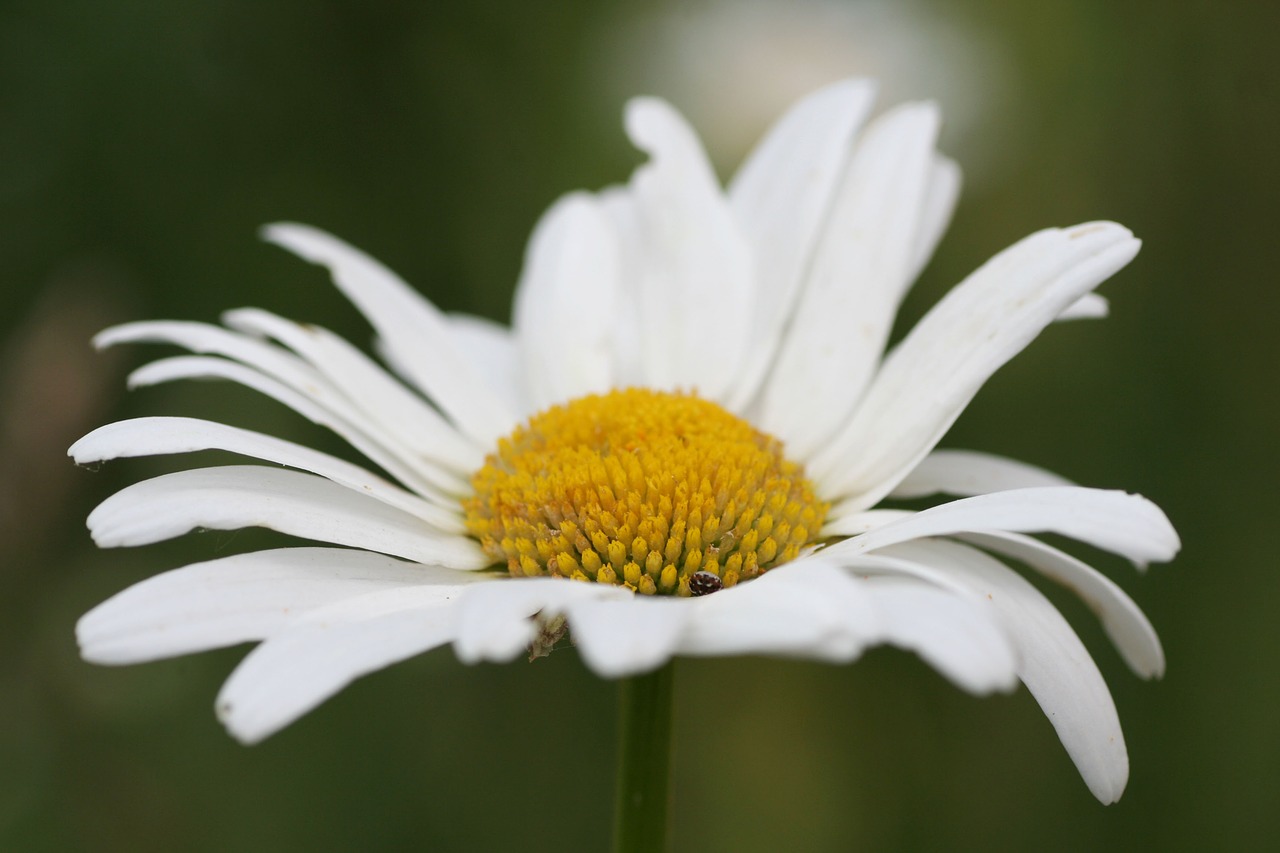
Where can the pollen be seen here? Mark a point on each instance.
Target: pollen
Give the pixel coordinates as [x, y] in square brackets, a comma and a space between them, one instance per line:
[644, 489]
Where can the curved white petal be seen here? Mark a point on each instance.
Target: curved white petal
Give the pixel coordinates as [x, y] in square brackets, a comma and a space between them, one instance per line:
[1125, 524]
[622, 212]
[857, 523]
[780, 197]
[952, 633]
[804, 609]
[296, 669]
[1053, 663]
[370, 388]
[566, 302]
[1091, 306]
[812, 608]
[618, 637]
[860, 270]
[212, 340]
[158, 435]
[410, 325]
[496, 621]
[939, 203]
[928, 379]
[1122, 619]
[238, 599]
[424, 477]
[696, 287]
[298, 504]
[970, 472]
[305, 382]
[491, 347]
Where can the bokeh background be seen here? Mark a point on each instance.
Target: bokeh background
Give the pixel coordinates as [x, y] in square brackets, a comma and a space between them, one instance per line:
[141, 145]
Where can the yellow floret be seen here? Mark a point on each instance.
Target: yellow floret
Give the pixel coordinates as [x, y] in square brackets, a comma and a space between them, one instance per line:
[641, 488]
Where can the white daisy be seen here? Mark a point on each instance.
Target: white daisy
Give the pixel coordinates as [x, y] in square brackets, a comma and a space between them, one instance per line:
[694, 398]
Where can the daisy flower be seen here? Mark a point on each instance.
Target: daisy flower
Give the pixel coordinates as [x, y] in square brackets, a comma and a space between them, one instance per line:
[680, 447]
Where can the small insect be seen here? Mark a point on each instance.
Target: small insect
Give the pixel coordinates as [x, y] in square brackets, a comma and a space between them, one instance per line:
[704, 583]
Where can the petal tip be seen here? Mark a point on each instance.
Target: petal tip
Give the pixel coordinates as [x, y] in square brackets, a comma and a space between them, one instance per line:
[276, 232]
[650, 120]
[1104, 230]
[109, 337]
[1109, 791]
[851, 94]
[305, 241]
[227, 714]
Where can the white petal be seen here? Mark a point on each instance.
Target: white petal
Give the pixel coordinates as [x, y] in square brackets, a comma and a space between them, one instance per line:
[156, 436]
[804, 609]
[625, 636]
[939, 203]
[312, 392]
[370, 388]
[1129, 525]
[203, 338]
[619, 206]
[237, 599]
[427, 479]
[812, 608]
[491, 348]
[1053, 663]
[780, 197]
[566, 302]
[408, 324]
[328, 648]
[1124, 622]
[1091, 306]
[265, 359]
[928, 379]
[303, 505]
[496, 620]
[696, 288]
[860, 271]
[857, 523]
[952, 633]
[969, 472]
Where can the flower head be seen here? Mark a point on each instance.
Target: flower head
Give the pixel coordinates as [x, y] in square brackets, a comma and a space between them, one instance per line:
[680, 448]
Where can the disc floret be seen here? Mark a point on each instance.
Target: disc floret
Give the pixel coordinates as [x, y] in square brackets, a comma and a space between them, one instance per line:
[641, 488]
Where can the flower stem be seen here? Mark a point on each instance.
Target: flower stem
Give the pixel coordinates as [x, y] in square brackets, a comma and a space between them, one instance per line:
[644, 760]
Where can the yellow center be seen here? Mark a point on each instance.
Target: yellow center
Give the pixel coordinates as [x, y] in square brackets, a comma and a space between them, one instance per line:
[642, 488]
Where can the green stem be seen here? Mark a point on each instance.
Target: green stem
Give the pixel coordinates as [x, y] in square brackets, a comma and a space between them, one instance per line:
[644, 761]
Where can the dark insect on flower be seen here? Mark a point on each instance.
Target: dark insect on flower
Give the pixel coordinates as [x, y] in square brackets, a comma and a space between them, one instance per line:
[704, 583]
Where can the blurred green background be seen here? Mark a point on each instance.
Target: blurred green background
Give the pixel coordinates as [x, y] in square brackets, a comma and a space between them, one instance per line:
[141, 145]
